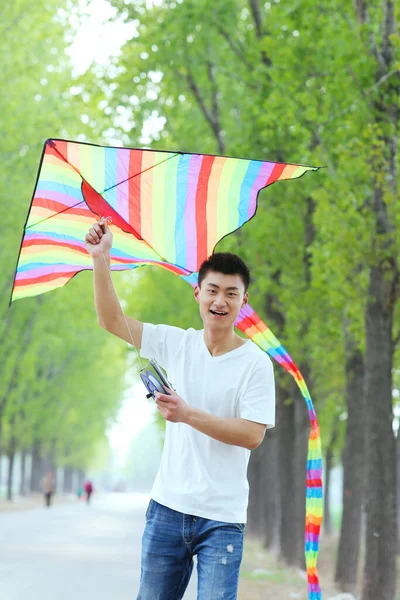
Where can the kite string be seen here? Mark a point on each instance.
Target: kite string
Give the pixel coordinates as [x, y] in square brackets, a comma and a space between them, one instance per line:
[123, 314]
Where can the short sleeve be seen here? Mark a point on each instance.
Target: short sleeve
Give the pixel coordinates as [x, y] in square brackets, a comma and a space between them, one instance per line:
[257, 402]
[160, 342]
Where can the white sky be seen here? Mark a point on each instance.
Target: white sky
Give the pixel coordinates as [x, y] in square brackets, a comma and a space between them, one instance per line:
[97, 39]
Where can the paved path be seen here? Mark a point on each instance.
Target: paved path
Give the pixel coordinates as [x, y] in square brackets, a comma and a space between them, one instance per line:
[74, 551]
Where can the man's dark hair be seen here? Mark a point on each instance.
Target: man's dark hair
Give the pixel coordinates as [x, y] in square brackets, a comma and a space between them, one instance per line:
[226, 263]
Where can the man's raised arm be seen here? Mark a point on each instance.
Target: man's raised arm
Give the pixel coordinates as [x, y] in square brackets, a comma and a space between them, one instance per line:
[109, 312]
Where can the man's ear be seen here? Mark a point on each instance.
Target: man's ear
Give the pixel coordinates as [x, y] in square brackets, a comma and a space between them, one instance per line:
[245, 299]
[196, 293]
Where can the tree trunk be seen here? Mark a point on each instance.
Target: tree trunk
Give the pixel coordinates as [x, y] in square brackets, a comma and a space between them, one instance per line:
[1, 451]
[81, 478]
[286, 437]
[329, 463]
[67, 481]
[353, 473]
[398, 488]
[10, 475]
[272, 493]
[37, 467]
[255, 524]
[383, 294]
[327, 489]
[381, 525]
[22, 484]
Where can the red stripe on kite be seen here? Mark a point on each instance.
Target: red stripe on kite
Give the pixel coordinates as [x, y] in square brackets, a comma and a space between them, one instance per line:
[201, 207]
[98, 205]
[43, 278]
[47, 242]
[276, 173]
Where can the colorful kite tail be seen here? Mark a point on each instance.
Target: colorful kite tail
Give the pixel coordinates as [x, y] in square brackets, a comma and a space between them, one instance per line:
[250, 323]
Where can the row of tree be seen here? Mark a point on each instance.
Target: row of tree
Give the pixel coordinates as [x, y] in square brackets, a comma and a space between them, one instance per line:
[298, 82]
[307, 83]
[62, 378]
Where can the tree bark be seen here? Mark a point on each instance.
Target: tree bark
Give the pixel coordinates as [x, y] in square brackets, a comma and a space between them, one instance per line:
[260, 33]
[1, 451]
[67, 481]
[81, 477]
[271, 500]
[255, 522]
[212, 116]
[37, 467]
[10, 475]
[286, 437]
[329, 459]
[383, 294]
[398, 488]
[381, 525]
[22, 484]
[353, 473]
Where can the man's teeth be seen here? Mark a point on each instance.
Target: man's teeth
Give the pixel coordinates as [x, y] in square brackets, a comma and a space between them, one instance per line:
[216, 312]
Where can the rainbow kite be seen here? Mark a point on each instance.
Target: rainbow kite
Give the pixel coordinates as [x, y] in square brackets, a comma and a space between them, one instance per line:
[168, 209]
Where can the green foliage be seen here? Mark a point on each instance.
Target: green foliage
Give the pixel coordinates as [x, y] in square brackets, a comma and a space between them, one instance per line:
[62, 377]
[302, 85]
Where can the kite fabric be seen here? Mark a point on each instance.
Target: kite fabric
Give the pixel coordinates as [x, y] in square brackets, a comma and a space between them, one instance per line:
[168, 209]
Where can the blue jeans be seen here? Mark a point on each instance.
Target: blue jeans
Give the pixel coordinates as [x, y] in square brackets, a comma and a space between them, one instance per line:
[171, 539]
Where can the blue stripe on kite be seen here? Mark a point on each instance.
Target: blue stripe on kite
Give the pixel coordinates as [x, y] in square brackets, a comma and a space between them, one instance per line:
[311, 546]
[272, 352]
[111, 159]
[51, 236]
[245, 190]
[192, 279]
[52, 186]
[314, 465]
[51, 265]
[314, 493]
[181, 194]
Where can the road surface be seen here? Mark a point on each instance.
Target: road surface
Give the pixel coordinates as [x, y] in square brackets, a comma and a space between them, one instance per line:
[74, 551]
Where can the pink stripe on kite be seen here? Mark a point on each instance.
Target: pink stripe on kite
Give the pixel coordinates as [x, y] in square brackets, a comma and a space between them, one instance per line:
[48, 270]
[65, 199]
[190, 209]
[122, 191]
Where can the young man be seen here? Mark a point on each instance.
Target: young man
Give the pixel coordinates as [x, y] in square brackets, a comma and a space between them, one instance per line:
[223, 403]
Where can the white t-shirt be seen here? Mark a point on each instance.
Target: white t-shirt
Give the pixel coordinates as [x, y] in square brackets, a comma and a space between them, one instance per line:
[198, 475]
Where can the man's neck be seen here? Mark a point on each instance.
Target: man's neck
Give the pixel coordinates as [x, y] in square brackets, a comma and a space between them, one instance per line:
[221, 342]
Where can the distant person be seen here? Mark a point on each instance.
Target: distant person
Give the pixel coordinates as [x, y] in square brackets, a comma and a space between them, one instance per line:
[88, 491]
[48, 485]
[223, 403]
[80, 492]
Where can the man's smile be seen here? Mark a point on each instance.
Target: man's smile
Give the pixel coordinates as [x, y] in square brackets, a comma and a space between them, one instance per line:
[218, 313]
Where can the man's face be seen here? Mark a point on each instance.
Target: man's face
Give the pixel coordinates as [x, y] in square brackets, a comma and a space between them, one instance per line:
[220, 298]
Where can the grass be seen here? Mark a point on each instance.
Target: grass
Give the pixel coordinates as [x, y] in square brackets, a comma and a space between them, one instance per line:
[264, 577]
